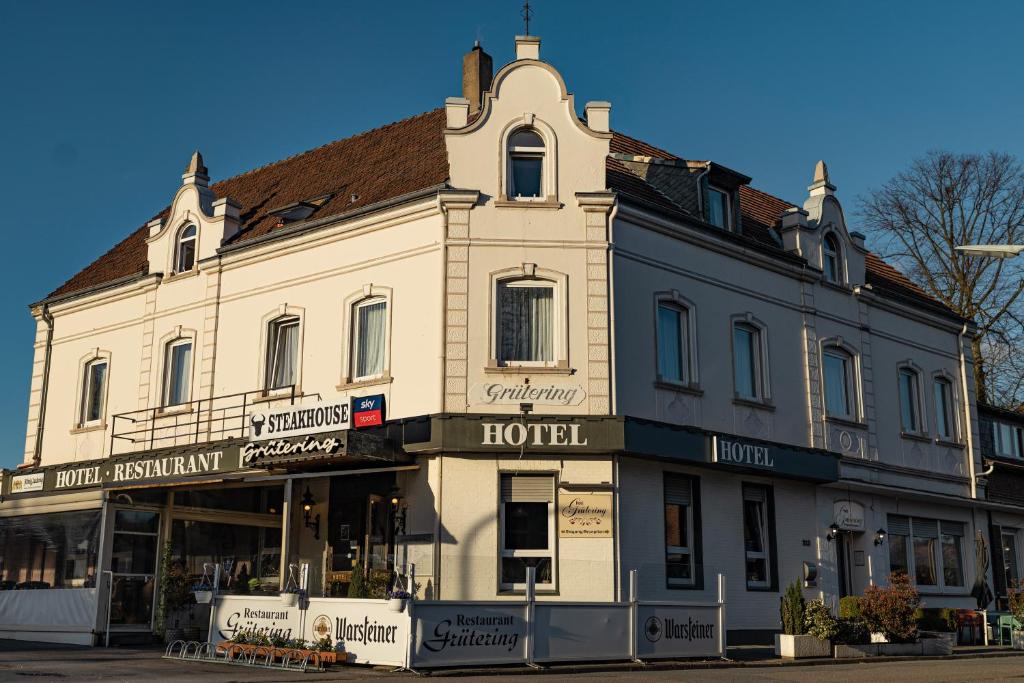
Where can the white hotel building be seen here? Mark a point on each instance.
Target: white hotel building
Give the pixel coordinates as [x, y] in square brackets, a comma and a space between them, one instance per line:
[562, 322]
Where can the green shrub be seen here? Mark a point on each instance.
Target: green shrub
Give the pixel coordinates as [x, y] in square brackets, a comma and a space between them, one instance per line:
[819, 622]
[791, 609]
[890, 610]
[357, 588]
[1015, 593]
[849, 607]
[852, 632]
[935, 619]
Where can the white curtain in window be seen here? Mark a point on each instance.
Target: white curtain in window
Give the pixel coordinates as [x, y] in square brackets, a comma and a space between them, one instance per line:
[285, 354]
[744, 342]
[836, 393]
[527, 325]
[371, 321]
[178, 373]
[95, 380]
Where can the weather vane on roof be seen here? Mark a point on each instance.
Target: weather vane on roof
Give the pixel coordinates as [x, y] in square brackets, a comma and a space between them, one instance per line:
[527, 13]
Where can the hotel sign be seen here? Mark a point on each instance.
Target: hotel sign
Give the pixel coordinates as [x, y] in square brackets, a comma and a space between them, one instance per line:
[584, 515]
[124, 471]
[768, 458]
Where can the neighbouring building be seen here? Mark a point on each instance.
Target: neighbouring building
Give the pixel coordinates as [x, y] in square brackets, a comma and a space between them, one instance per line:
[1002, 448]
[494, 336]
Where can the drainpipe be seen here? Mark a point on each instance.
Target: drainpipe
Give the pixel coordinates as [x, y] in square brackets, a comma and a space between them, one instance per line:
[611, 306]
[48, 319]
[968, 427]
[700, 191]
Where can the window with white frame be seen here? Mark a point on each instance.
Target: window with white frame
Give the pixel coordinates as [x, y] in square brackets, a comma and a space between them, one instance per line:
[526, 165]
[185, 249]
[831, 259]
[838, 376]
[929, 551]
[526, 322]
[282, 352]
[682, 530]
[369, 338]
[910, 400]
[673, 343]
[1007, 440]
[758, 527]
[94, 391]
[945, 417]
[718, 209]
[748, 362]
[178, 372]
[527, 519]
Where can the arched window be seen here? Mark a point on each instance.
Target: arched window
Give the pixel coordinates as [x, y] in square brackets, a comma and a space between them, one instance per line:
[525, 165]
[369, 338]
[838, 375]
[185, 250]
[831, 259]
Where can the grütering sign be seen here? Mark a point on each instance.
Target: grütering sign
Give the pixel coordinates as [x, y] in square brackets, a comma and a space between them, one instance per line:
[280, 423]
[584, 515]
[453, 633]
[501, 394]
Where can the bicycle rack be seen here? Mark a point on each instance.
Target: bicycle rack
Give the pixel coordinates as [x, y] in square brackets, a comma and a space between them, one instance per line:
[262, 656]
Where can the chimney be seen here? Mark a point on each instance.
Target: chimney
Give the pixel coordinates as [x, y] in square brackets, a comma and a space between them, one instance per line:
[477, 69]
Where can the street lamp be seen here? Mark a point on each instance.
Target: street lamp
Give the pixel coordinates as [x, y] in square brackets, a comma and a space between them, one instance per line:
[992, 250]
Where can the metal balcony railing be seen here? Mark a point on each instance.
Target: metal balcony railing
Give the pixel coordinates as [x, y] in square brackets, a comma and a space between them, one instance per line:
[199, 421]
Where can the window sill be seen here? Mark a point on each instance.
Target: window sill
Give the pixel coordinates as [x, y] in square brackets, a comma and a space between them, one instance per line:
[276, 395]
[528, 370]
[750, 403]
[914, 436]
[957, 592]
[508, 592]
[90, 427]
[548, 203]
[759, 589]
[844, 288]
[683, 388]
[950, 444]
[182, 276]
[168, 411]
[846, 422]
[345, 385]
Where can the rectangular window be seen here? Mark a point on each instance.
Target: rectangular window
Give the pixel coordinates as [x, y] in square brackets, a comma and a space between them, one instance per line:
[93, 391]
[526, 323]
[527, 529]
[682, 531]
[944, 419]
[178, 373]
[282, 363]
[746, 355]
[673, 362]
[370, 342]
[1007, 439]
[757, 530]
[928, 550]
[52, 550]
[718, 207]
[909, 401]
[1009, 538]
[838, 401]
[526, 174]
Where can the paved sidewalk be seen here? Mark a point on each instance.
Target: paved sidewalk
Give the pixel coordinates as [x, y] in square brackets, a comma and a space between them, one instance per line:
[23, 661]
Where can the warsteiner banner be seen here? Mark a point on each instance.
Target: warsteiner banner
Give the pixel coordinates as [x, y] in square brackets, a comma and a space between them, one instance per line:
[371, 633]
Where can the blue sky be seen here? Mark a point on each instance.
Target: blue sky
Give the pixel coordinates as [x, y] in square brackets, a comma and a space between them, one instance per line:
[103, 102]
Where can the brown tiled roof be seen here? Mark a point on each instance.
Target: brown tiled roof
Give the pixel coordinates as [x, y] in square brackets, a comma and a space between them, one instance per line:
[410, 155]
[377, 165]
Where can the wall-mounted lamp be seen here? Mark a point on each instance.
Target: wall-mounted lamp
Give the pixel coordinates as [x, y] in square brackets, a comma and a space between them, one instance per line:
[312, 522]
[880, 537]
[399, 508]
[833, 531]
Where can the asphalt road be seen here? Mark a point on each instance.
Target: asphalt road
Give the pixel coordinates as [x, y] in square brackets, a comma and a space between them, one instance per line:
[65, 665]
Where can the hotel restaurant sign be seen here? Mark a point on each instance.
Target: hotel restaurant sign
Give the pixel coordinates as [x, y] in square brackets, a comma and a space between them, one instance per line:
[125, 471]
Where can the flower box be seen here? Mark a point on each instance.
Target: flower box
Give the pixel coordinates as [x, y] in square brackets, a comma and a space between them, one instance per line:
[1017, 639]
[238, 650]
[801, 647]
[396, 604]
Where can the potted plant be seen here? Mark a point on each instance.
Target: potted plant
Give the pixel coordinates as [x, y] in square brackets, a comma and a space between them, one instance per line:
[937, 629]
[290, 596]
[1015, 594]
[202, 590]
[174, 597]
[397, 598]
[794, 642]
[889, 611]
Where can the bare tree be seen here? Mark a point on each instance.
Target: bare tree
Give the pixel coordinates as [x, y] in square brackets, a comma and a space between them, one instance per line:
[944, 200]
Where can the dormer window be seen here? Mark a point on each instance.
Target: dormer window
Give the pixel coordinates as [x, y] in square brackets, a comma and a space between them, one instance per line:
[718, 213]
[831, 259]
[526, 165]
[185, 251]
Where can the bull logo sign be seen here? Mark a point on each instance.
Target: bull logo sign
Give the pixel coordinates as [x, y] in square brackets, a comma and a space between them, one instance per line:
[257, 422]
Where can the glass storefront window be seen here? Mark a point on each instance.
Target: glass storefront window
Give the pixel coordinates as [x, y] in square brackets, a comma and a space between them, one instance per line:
[264, 499]
[244, 552]
[57, 550]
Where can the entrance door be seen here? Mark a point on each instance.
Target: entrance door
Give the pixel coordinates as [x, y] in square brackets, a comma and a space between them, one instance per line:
[843, 563]
[378, 533]
[133, 564]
